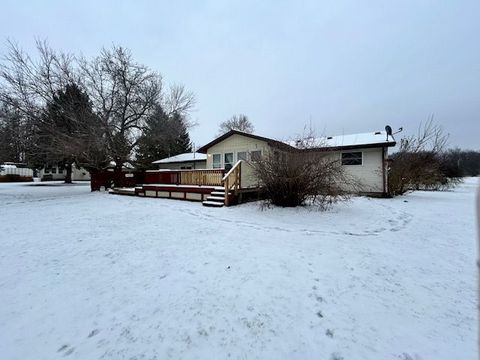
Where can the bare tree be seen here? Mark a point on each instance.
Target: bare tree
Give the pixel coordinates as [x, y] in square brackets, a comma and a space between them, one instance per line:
[27, 84]
[123, 93]
[419, 163]
[178, 101]
[238, 122]
[61, 123]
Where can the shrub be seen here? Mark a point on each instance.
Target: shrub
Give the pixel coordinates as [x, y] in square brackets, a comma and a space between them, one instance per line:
[293, 178]
[420, 163]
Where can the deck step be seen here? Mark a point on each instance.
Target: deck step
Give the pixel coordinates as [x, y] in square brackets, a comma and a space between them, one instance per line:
[122, 191]
[218, 193]
[219, 188]
[212, 203]
[216, 198]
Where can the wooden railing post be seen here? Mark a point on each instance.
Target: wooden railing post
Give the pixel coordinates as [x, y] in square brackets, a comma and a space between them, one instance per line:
[226, 191]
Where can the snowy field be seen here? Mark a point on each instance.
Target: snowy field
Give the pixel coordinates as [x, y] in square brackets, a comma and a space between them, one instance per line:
[96, 276]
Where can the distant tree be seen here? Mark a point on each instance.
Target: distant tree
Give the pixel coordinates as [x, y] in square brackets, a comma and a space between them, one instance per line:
[14, 135]
[40, 91]
[125, 94]
[238, 122]
[164, 135]
[181, 142]
[459, 162]
[419, 163]
[122, 93]
[27, 85]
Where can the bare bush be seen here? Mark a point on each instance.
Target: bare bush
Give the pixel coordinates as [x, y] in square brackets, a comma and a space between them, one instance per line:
[294, 178]
[420, 163]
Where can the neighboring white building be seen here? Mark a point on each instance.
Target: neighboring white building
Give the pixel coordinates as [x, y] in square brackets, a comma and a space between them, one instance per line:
[185, 161]
[55, 172]
[10, 171]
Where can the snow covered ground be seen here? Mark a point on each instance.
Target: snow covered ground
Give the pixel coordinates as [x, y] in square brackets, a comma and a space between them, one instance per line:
[96, 276]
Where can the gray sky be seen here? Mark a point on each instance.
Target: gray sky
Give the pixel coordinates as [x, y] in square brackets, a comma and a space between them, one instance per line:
[345, 66]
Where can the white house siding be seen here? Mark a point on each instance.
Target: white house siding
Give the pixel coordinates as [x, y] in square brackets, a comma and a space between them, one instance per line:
[77, 174]
[235, 144]
[370, 173]
[24, 172]
[248, 178]
[197, 165]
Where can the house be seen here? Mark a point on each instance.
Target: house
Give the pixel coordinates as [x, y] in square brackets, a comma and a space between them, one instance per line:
[364, 156]
[185, 161]
[57, 172]
[15, 172]
[228, 175]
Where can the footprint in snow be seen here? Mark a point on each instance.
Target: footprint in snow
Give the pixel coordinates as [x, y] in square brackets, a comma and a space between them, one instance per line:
[93, 333]
[406, 356]
[66, 349]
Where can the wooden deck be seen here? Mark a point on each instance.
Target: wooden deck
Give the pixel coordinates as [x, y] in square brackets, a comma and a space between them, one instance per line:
[209, 186]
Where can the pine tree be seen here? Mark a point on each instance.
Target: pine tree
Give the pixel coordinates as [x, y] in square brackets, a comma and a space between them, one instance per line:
[163, 136]
[64, 132]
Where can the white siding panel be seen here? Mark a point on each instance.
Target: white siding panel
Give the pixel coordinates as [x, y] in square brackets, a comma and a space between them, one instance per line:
[235, 143]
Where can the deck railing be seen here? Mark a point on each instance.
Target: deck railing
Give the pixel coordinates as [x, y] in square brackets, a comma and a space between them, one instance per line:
[232, 180]
[211, 177]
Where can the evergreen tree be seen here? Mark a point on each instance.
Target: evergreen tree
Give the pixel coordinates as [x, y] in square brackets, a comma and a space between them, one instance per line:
[65, 132]
[163, 136]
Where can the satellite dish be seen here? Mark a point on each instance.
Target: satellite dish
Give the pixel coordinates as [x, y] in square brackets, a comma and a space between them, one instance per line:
[388, 129]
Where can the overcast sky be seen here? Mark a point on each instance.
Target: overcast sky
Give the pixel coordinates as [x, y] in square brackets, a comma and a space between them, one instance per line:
[343, 66]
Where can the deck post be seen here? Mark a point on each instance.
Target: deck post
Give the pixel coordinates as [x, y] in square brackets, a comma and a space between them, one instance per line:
[226, 191]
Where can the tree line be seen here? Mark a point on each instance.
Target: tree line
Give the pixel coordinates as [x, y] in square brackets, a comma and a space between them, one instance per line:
[64, 109]
[423, 162]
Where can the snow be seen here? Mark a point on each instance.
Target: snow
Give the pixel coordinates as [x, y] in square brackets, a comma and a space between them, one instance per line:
[377, 137]
[182, 158]
[95, 276]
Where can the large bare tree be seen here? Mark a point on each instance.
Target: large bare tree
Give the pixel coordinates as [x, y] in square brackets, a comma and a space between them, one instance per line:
[122, 94]
[125, 94]
[238, 122]
[43, 91]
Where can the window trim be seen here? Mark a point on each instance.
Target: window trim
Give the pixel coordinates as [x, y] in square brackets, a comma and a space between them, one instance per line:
[351, 152]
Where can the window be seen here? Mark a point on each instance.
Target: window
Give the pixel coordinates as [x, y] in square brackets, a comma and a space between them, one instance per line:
[54, 170]
[228, 161]
[185, 168]
[46, 171]
[352, 158]
[242, 155]
[60, 170]
[256, 155]
[217, 161]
